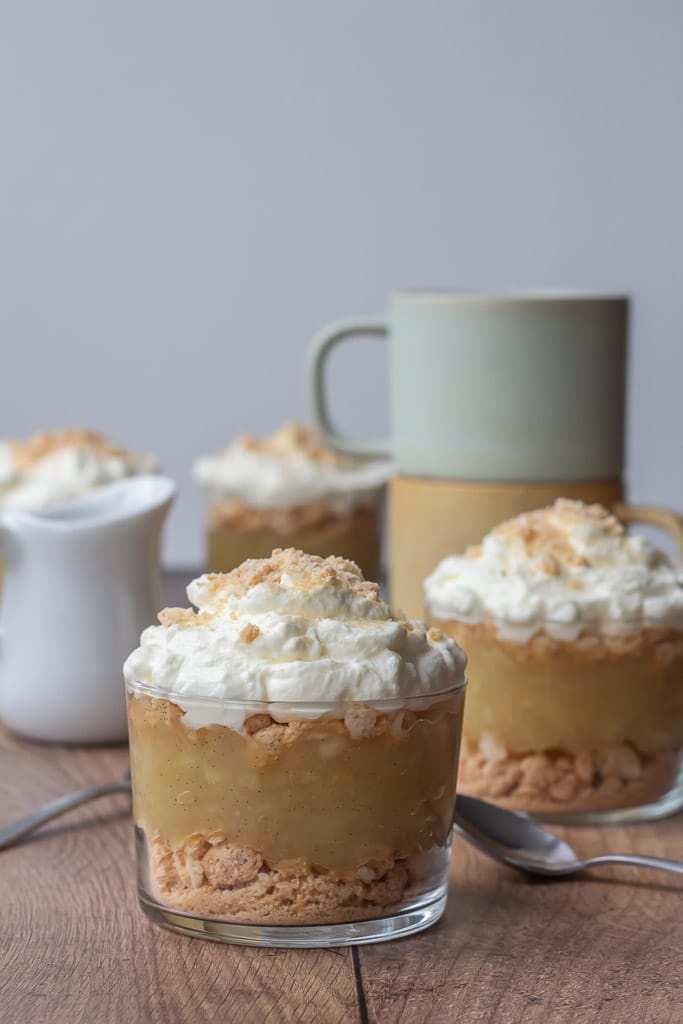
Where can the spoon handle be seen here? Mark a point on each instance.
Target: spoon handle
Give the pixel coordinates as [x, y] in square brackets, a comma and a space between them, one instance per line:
[16, 830]
[659, 863]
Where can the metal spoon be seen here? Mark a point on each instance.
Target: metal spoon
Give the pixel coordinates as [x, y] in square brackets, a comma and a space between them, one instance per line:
[517, 840]
[16, 830]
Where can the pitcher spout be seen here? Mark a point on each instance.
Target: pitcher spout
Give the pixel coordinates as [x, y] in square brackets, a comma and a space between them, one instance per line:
[126, 499]
[128, 513]
[88, 573]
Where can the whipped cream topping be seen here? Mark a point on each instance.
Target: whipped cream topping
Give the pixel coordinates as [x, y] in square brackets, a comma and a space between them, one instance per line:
[291, 467]
[57, 467]
[563, 570]
[290, 628]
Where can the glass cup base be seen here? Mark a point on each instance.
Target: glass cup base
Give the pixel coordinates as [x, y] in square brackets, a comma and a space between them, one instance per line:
[414, 918]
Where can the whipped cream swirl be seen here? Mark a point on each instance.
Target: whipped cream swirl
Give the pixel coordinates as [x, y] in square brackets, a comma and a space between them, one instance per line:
[562, 570]
[291, 467]
[291, 628]
[53, 468]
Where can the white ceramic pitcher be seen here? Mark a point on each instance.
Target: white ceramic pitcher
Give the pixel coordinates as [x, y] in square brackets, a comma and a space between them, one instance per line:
[81, 583]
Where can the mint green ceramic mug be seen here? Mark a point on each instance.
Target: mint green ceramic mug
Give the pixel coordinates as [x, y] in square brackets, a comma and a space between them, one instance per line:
[501, 386]
[499, 404]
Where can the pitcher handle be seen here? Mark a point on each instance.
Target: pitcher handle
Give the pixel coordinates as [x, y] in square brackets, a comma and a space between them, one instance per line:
[321, 345]
[663, 518]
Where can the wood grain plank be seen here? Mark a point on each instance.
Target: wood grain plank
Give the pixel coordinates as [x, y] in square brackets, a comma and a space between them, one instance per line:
[510, 949]
[75, 947]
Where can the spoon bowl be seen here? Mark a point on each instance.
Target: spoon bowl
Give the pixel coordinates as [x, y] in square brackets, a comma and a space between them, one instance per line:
[515, 839]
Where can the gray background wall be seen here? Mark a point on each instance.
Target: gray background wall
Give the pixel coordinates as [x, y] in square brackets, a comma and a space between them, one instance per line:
[189, 190]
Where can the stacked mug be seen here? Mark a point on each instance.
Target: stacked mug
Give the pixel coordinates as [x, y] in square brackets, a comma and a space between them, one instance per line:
[500, 403]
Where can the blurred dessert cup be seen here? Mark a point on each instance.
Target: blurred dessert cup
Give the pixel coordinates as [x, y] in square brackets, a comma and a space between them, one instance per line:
[288, 490]
[574, 634]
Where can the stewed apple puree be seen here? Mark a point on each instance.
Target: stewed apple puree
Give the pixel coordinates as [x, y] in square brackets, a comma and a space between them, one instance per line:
[336, 794]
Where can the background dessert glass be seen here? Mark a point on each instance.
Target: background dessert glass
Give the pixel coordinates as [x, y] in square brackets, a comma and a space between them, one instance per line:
[574, 635]
[292, 825]
[289, 821]
[288, 490]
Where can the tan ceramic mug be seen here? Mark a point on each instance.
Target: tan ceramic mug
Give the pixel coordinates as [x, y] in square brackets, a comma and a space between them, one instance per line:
[457, 513]
[499, 404]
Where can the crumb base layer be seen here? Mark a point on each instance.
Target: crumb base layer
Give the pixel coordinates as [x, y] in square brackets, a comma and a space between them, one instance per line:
[605, 787]
[410, 919]
[663, 807]
[211, 878]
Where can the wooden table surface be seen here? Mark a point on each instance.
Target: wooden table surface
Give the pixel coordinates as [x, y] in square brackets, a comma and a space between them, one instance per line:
[75, 948]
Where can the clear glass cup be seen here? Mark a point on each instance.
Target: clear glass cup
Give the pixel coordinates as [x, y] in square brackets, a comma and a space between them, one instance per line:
[585, 731]
[298, 824]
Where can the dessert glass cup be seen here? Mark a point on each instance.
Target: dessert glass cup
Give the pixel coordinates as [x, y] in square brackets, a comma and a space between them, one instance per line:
[582, 731]
[236, 531]
[298, 824]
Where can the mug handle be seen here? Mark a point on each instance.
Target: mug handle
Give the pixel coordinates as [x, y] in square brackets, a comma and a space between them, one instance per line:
[321, 345]
[668, 521]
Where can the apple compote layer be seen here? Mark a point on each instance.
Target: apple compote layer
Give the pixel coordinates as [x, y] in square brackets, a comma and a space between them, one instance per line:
[303, 821]
[591, 724]
[237, 531]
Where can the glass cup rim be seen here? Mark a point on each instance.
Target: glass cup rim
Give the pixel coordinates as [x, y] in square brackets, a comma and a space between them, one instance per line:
[387, 704]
